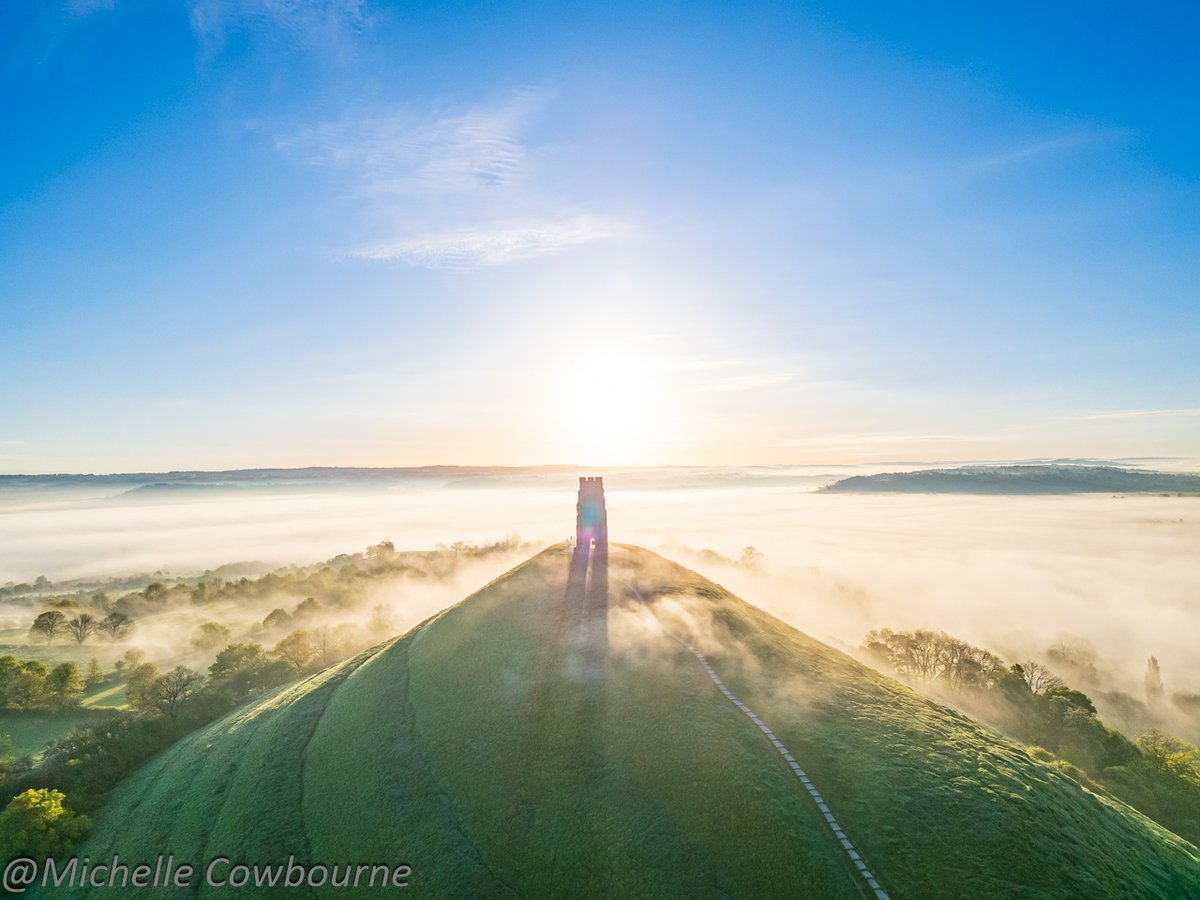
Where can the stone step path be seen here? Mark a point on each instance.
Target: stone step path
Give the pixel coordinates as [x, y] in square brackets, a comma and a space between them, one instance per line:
[822, 806]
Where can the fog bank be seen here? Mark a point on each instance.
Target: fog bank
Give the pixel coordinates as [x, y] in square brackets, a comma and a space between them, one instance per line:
[1013, 574]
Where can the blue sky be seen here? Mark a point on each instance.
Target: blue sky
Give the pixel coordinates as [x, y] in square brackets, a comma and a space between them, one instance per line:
[243, 233]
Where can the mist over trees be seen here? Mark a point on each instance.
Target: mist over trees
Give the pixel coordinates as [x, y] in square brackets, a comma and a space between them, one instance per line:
[301, 621]
[1156, 773]
[49, 625]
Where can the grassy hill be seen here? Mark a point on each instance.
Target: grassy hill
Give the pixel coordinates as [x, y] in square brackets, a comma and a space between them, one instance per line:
[1052, 479]
[481, 750]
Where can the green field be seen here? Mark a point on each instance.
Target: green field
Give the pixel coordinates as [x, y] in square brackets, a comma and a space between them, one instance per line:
[481, 751]
[31, 730]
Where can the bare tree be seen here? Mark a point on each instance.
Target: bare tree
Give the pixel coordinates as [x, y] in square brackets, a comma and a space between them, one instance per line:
[116, 626]
[381, 622]
[174, 688]
[82, 627]
[322, 643]
[934, 655]
[1040, 679]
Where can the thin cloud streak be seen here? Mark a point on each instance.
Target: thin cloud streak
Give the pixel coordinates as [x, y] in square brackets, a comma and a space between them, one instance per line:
[751, 382]
[489, 247]
[1140, 414]
[1046, 147]
[699, 365]
[881, 438]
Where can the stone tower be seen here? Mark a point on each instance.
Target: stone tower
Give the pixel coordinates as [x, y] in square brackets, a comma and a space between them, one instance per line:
[591, 518]
[586, 599]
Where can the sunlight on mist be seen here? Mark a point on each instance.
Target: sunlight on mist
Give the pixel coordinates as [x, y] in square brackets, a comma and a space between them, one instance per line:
[1013, 574]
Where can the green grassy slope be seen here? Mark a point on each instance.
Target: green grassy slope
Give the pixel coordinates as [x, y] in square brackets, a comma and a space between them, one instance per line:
[479, 750]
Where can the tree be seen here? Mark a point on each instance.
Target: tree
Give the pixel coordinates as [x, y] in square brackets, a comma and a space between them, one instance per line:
[1170, 754]
[49, 625]
[26, 686]
[297, 649]
[10, 668]
[210, 635]
[64, 685]
[155, 593]
[243, 669]
[140, 689]
[308, 607]
[82, 627]
[206, 591]
[117, 626]
[37, 824]
[1039, 678]
[381, 624]
[751, 558]
[95, 675]
[131, 660]
[174, 689]
[236, 668]
[1073, 698]
[277, 619]
[382, 550]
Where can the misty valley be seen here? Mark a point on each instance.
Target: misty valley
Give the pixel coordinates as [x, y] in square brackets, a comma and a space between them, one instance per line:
[989, 605]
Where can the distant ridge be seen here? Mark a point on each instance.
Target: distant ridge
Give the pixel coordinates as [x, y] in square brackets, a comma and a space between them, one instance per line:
[1051, 479]
[176, 483]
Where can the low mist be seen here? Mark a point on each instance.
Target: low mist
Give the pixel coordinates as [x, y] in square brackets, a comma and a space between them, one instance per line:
[1116, 576]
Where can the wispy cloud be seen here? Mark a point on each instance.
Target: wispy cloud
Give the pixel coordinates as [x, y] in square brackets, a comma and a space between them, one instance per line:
[870, 439]
[83, 8]
[488, 246]
[1141, 414]
[695, 365]
[324, 25]
[1034, 149]
[402, 153]
[751, 382]
[453, 189]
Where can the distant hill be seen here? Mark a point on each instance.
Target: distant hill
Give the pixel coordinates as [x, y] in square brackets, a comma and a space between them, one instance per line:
[186, 484]
[479, 751]
[1019, 480]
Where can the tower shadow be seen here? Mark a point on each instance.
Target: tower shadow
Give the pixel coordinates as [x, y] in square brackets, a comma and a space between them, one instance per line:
[586, 600]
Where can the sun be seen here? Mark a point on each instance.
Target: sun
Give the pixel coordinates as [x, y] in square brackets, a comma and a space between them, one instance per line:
[609, 409]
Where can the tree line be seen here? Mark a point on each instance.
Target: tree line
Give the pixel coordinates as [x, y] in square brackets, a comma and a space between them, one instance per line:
[53, 623]
[26, 684]
[1156, 773]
